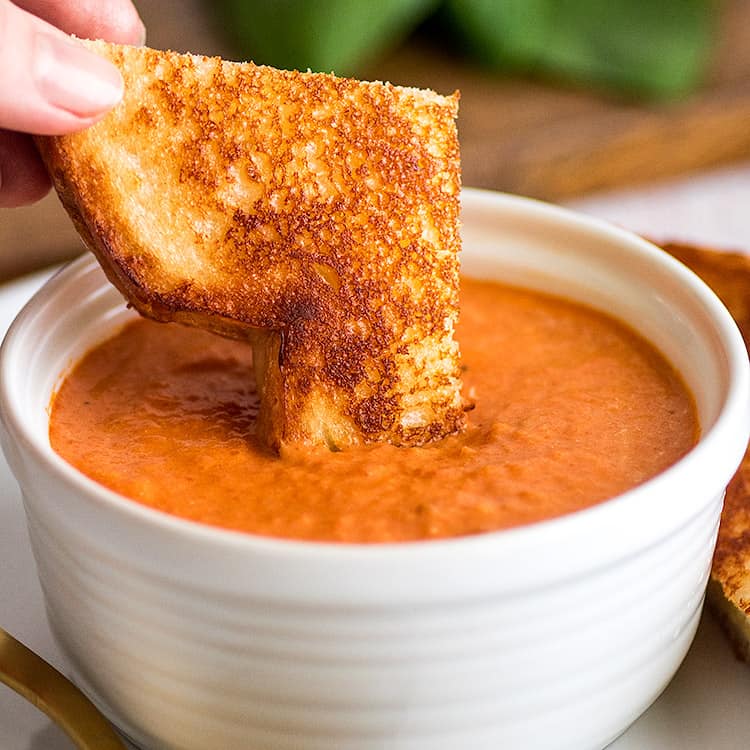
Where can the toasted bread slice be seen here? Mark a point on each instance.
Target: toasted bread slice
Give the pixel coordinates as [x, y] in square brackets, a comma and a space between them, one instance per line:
[316, 216]
[729, 588]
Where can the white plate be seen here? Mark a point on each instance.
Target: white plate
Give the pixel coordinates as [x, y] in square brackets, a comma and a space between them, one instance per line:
[705, 706]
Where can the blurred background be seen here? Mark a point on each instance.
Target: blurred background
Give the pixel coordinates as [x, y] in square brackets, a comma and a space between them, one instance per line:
[560, 99]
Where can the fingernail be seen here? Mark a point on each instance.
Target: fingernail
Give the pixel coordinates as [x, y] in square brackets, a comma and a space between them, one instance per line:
[70, 77]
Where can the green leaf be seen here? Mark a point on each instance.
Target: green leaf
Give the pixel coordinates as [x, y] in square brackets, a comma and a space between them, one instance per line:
[327, 35]
[654, 48]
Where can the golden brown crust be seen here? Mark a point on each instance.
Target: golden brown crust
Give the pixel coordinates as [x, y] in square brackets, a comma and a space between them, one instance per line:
[245, 199]
[728, 274]
[731, 564]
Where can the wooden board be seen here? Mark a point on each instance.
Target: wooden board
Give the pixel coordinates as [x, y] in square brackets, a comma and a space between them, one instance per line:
[553, 141]
[522, 136]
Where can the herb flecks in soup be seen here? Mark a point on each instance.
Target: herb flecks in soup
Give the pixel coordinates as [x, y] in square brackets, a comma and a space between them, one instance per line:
[572, 408]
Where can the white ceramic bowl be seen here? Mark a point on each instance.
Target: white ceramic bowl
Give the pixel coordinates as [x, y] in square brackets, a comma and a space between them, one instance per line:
[556, 635]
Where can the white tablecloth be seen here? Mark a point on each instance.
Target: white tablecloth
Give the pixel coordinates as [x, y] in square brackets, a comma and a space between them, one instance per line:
[711, 208]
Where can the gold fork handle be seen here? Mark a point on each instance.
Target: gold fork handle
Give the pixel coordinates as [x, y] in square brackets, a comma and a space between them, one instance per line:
[41, 684]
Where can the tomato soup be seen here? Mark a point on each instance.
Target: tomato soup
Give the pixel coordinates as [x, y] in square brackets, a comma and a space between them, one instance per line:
[570, 408]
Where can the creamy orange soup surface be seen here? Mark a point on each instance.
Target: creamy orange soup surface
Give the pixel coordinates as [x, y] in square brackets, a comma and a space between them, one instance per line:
[571, 408]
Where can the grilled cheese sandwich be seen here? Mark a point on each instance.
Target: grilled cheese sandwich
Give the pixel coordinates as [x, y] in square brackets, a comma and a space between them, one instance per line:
[315, 216]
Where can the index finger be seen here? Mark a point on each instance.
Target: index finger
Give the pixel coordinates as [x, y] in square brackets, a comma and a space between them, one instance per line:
[111, 20]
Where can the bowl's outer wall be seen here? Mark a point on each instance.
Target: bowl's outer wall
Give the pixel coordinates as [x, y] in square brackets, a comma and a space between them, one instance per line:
[553, 636]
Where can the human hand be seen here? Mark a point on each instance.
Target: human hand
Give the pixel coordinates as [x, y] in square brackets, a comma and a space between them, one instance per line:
[50, 84]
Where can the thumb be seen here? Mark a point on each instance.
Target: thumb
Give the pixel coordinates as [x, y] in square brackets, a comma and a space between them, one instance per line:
[50, 83]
